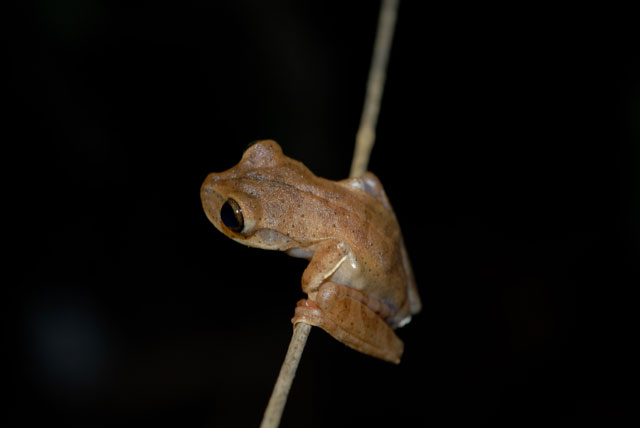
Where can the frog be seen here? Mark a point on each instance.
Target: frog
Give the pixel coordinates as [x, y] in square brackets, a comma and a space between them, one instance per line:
[359, 281]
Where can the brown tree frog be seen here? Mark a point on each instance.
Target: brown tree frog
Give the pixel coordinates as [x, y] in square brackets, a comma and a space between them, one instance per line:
[359, 281]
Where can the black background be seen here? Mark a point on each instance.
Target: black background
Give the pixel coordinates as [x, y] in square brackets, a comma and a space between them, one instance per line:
[507, 143]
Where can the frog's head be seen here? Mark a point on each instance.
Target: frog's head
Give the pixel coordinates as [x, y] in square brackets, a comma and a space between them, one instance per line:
[252, 202]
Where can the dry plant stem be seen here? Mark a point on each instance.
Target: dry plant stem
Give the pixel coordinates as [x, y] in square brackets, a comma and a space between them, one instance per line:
[364, 143]
[273, 413]
[367, 131]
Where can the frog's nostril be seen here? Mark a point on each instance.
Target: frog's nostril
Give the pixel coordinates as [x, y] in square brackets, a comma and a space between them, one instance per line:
[212, 178]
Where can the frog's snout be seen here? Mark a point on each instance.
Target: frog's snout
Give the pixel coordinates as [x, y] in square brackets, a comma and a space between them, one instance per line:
[211, 198]
[209, 185]
[211, 179]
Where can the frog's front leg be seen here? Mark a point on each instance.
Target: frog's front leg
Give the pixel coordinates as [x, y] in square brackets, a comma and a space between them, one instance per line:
[327, 258]
[341, 311]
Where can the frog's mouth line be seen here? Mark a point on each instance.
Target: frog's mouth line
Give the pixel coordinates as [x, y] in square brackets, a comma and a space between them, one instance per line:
[265, 239]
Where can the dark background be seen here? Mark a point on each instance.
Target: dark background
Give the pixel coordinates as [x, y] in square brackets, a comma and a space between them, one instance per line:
[507, 142]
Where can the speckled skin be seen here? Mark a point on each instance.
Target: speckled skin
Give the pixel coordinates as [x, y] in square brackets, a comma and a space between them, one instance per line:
[346, 229]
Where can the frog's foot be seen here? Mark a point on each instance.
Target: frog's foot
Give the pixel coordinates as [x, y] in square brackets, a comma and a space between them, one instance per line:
[345, 314]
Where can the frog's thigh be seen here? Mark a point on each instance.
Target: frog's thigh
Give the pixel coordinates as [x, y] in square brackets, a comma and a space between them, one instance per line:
[327, 258]
[351, 322]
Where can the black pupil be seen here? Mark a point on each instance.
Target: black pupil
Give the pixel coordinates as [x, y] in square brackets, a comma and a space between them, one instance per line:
[231, 215]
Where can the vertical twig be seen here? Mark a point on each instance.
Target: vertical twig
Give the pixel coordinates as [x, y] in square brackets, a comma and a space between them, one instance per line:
[367, 131]
[273, 413]
[364, 143]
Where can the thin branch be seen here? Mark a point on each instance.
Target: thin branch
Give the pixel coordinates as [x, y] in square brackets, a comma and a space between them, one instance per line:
[375, 85]
[273, 413]
[364, 143]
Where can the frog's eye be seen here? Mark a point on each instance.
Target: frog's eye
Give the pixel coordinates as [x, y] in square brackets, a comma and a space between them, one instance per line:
[231, 215]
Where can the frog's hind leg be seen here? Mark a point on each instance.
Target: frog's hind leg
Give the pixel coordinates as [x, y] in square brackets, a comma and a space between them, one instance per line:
[372, 185]
[339, 311]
